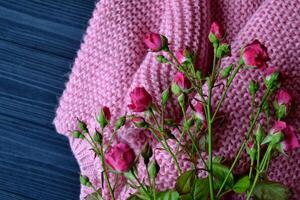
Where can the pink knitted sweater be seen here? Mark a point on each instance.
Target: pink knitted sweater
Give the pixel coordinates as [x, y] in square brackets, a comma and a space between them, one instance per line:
[113, 60]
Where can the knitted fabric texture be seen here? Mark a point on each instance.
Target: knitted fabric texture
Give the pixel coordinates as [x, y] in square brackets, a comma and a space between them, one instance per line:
[113, 60]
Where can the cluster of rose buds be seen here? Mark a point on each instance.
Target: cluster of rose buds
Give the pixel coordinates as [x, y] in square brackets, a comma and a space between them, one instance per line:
[197, 126]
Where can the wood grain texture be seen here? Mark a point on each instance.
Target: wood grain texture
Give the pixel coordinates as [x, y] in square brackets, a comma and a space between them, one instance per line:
[38, 43]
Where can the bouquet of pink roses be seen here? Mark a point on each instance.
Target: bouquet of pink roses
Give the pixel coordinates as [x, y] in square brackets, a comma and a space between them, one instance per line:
[193, 135]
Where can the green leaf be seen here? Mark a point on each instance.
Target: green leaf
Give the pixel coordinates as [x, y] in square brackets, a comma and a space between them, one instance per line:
[94, 196]
[201, 189]
[267, 190]
[242, 185]
[220, 171]
[185, 182]
[167, 195]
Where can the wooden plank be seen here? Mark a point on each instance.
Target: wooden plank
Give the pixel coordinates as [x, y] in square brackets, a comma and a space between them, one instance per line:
[38, 43]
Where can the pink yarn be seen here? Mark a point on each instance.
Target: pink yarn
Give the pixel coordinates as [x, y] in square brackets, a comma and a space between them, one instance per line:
[113, 60]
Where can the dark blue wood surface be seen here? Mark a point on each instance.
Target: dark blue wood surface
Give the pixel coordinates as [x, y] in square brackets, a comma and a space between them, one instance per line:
[38, 44]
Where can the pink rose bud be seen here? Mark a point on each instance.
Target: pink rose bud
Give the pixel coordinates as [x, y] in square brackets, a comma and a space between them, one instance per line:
[270, 72]
[255, 54]
[285, 136]
[104, 116]
[199, 111]
[278, 127]
[282, 103]
[250, 145]
[156, 42]
[217, 31]
[275, 135]
[180, 56]
[141, 100]
[283, 98]
[120, 157]
[182, 81]
[139, 122]
[251, 150]
[106, 112]
[272, 77]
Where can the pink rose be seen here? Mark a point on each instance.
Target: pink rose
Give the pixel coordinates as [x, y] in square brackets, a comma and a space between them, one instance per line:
[155, 42]
[199, 111]
[106, 112]
[256, 55]
[141, 100]
[217, 30]
[120, 157]
[180, 56]
[182, 81]
[290, 140]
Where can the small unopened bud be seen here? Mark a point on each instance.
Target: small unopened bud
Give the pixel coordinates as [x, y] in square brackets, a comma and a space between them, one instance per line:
[170, 122]
[165, 96]
[282, 103]
[253, 87]
[272, 78]
[139, 122]
[251, 149]
[175, 89]
[188, 123]
[98, 137]
[104, 116]
[259, 134]
[76, 134]
[212, 38]
[84, 180]
[121, 121]
[153, 169]
[223, 50]
[182, 101]
[82, 126]
[266, 108]
[226, 71]
[168, 134]
[161, 59]
[199, 75]
[146, 153]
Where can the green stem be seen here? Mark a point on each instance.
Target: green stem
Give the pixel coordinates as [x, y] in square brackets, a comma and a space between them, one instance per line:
[106, 174]
[192, 139]
[209, 129]
[167, 148]
[252, 106]
[140, 184]
[244, 143]
[251, 168]
[154, 188]
[210, 163]
[258, 155]
[165, 143]
[96, 191]
[261, 168]
[111, 140]
[228, 83]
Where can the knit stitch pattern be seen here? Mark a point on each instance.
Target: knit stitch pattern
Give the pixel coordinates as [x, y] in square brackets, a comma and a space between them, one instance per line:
[113, 60]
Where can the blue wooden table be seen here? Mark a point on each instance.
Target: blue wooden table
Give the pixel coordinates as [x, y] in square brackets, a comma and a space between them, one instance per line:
[38, 44]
